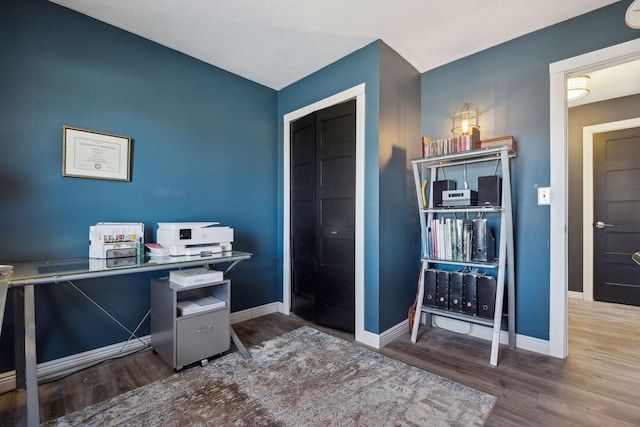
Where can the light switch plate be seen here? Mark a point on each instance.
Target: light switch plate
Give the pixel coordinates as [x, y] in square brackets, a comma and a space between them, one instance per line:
[544, 195]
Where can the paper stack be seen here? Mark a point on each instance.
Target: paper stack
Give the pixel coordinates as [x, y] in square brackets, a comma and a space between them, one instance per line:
[198, 305]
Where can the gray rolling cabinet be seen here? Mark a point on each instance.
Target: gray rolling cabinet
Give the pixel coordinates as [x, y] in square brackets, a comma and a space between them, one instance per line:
[182, 339]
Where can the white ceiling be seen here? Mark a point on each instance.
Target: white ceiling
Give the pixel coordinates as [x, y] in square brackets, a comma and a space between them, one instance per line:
[277, 42]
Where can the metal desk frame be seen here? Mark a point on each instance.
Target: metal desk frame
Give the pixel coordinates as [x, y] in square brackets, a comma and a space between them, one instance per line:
[27, 275]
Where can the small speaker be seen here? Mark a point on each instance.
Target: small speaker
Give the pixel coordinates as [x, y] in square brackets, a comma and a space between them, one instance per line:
[438, 188]
[489, 193]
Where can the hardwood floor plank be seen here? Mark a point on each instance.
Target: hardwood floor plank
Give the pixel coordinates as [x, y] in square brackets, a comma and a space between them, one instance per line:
[597, 385]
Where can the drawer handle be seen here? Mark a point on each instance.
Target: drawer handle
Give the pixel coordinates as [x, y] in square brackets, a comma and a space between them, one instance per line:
[205, 329]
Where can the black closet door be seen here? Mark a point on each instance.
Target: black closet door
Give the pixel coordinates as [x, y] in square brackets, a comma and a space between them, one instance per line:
[325, 293]
[335, 216]
[303, 223]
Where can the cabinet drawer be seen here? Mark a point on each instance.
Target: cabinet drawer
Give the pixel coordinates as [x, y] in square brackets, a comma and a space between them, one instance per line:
[202, 336]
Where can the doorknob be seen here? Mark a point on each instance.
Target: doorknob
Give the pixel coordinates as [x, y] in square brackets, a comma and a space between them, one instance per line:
[601, 224]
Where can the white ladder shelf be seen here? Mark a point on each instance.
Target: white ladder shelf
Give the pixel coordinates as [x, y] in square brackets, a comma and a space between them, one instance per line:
[505, 254]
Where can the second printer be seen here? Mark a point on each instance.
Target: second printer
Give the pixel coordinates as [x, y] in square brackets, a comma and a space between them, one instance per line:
[194, 238]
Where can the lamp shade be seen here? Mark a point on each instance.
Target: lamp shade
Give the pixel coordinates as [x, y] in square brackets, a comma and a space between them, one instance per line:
[465, 121]
[577, 87]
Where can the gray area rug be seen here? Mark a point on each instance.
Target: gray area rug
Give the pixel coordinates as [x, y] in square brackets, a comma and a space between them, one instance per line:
[301, 378]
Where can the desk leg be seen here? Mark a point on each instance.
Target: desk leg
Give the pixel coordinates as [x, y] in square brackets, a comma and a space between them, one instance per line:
[241, 348]
[4, 288]
[33, 406]
[18, 342]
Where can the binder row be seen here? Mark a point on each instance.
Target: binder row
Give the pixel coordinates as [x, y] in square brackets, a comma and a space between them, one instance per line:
[453, 239]
[470, 293]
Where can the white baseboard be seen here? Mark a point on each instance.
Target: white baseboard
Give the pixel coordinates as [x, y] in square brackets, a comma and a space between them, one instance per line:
[57, 368]
[254, 312]
[523, 342]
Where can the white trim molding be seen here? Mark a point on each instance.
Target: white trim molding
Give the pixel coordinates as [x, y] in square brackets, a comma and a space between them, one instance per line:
[558, 282]
[523, 342]
[357, 93]
[54, 369]
[254, 313]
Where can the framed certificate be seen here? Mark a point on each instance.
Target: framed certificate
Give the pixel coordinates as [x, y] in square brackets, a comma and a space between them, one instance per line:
[91, 154]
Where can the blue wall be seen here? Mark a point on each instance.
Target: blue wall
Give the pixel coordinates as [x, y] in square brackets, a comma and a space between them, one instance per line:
[204, 148]
[362, 66]
[509, 83]
[399, 225]
[392, 122]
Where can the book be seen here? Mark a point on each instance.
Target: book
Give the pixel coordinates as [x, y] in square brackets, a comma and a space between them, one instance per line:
[495, 142]
[194, 276]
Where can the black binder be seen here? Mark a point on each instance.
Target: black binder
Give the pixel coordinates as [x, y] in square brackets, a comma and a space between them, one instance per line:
[455, 291]
[484, 245]
[442, 290]
[470, 294]
[486, 296]
[429, 298]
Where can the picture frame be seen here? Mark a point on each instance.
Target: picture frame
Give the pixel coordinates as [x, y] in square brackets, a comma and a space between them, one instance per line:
[98, 155]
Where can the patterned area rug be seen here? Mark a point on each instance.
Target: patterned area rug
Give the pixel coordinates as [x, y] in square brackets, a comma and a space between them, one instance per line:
[301, 378]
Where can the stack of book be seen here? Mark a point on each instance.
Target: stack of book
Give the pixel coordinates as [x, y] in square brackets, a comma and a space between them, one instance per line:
[451, 239]
[198, 305]
[157, 250]
[463, 240]
[496, 142]
[440, 147]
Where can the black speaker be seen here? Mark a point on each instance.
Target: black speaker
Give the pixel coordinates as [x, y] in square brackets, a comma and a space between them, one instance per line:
[489, 193]
[486, 296]
[429, 298]
[438, 188]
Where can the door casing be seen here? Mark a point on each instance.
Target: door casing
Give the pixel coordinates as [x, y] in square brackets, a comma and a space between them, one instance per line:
[357, 93]
[558, 254]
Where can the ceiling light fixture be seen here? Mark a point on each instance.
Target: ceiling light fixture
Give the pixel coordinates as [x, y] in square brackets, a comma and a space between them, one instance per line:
[577, 87]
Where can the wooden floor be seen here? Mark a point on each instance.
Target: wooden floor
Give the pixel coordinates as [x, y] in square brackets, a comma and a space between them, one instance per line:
[598, 385]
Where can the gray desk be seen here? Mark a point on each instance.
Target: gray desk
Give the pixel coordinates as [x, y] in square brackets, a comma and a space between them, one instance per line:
[28, 274]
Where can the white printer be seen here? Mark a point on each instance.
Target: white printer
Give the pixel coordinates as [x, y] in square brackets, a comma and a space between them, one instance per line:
[116, 240]
[194, 238]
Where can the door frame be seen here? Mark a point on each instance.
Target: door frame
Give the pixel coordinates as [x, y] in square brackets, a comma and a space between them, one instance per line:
[357, 93]
[558, 148]
[587, 196]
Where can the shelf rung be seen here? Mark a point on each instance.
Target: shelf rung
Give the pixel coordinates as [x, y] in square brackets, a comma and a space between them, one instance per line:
[470, 209]
[457, 316]
[492, 264]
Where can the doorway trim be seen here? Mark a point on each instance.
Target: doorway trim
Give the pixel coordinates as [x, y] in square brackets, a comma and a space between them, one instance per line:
[587, 197]
[357, 93]
[558, 282]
